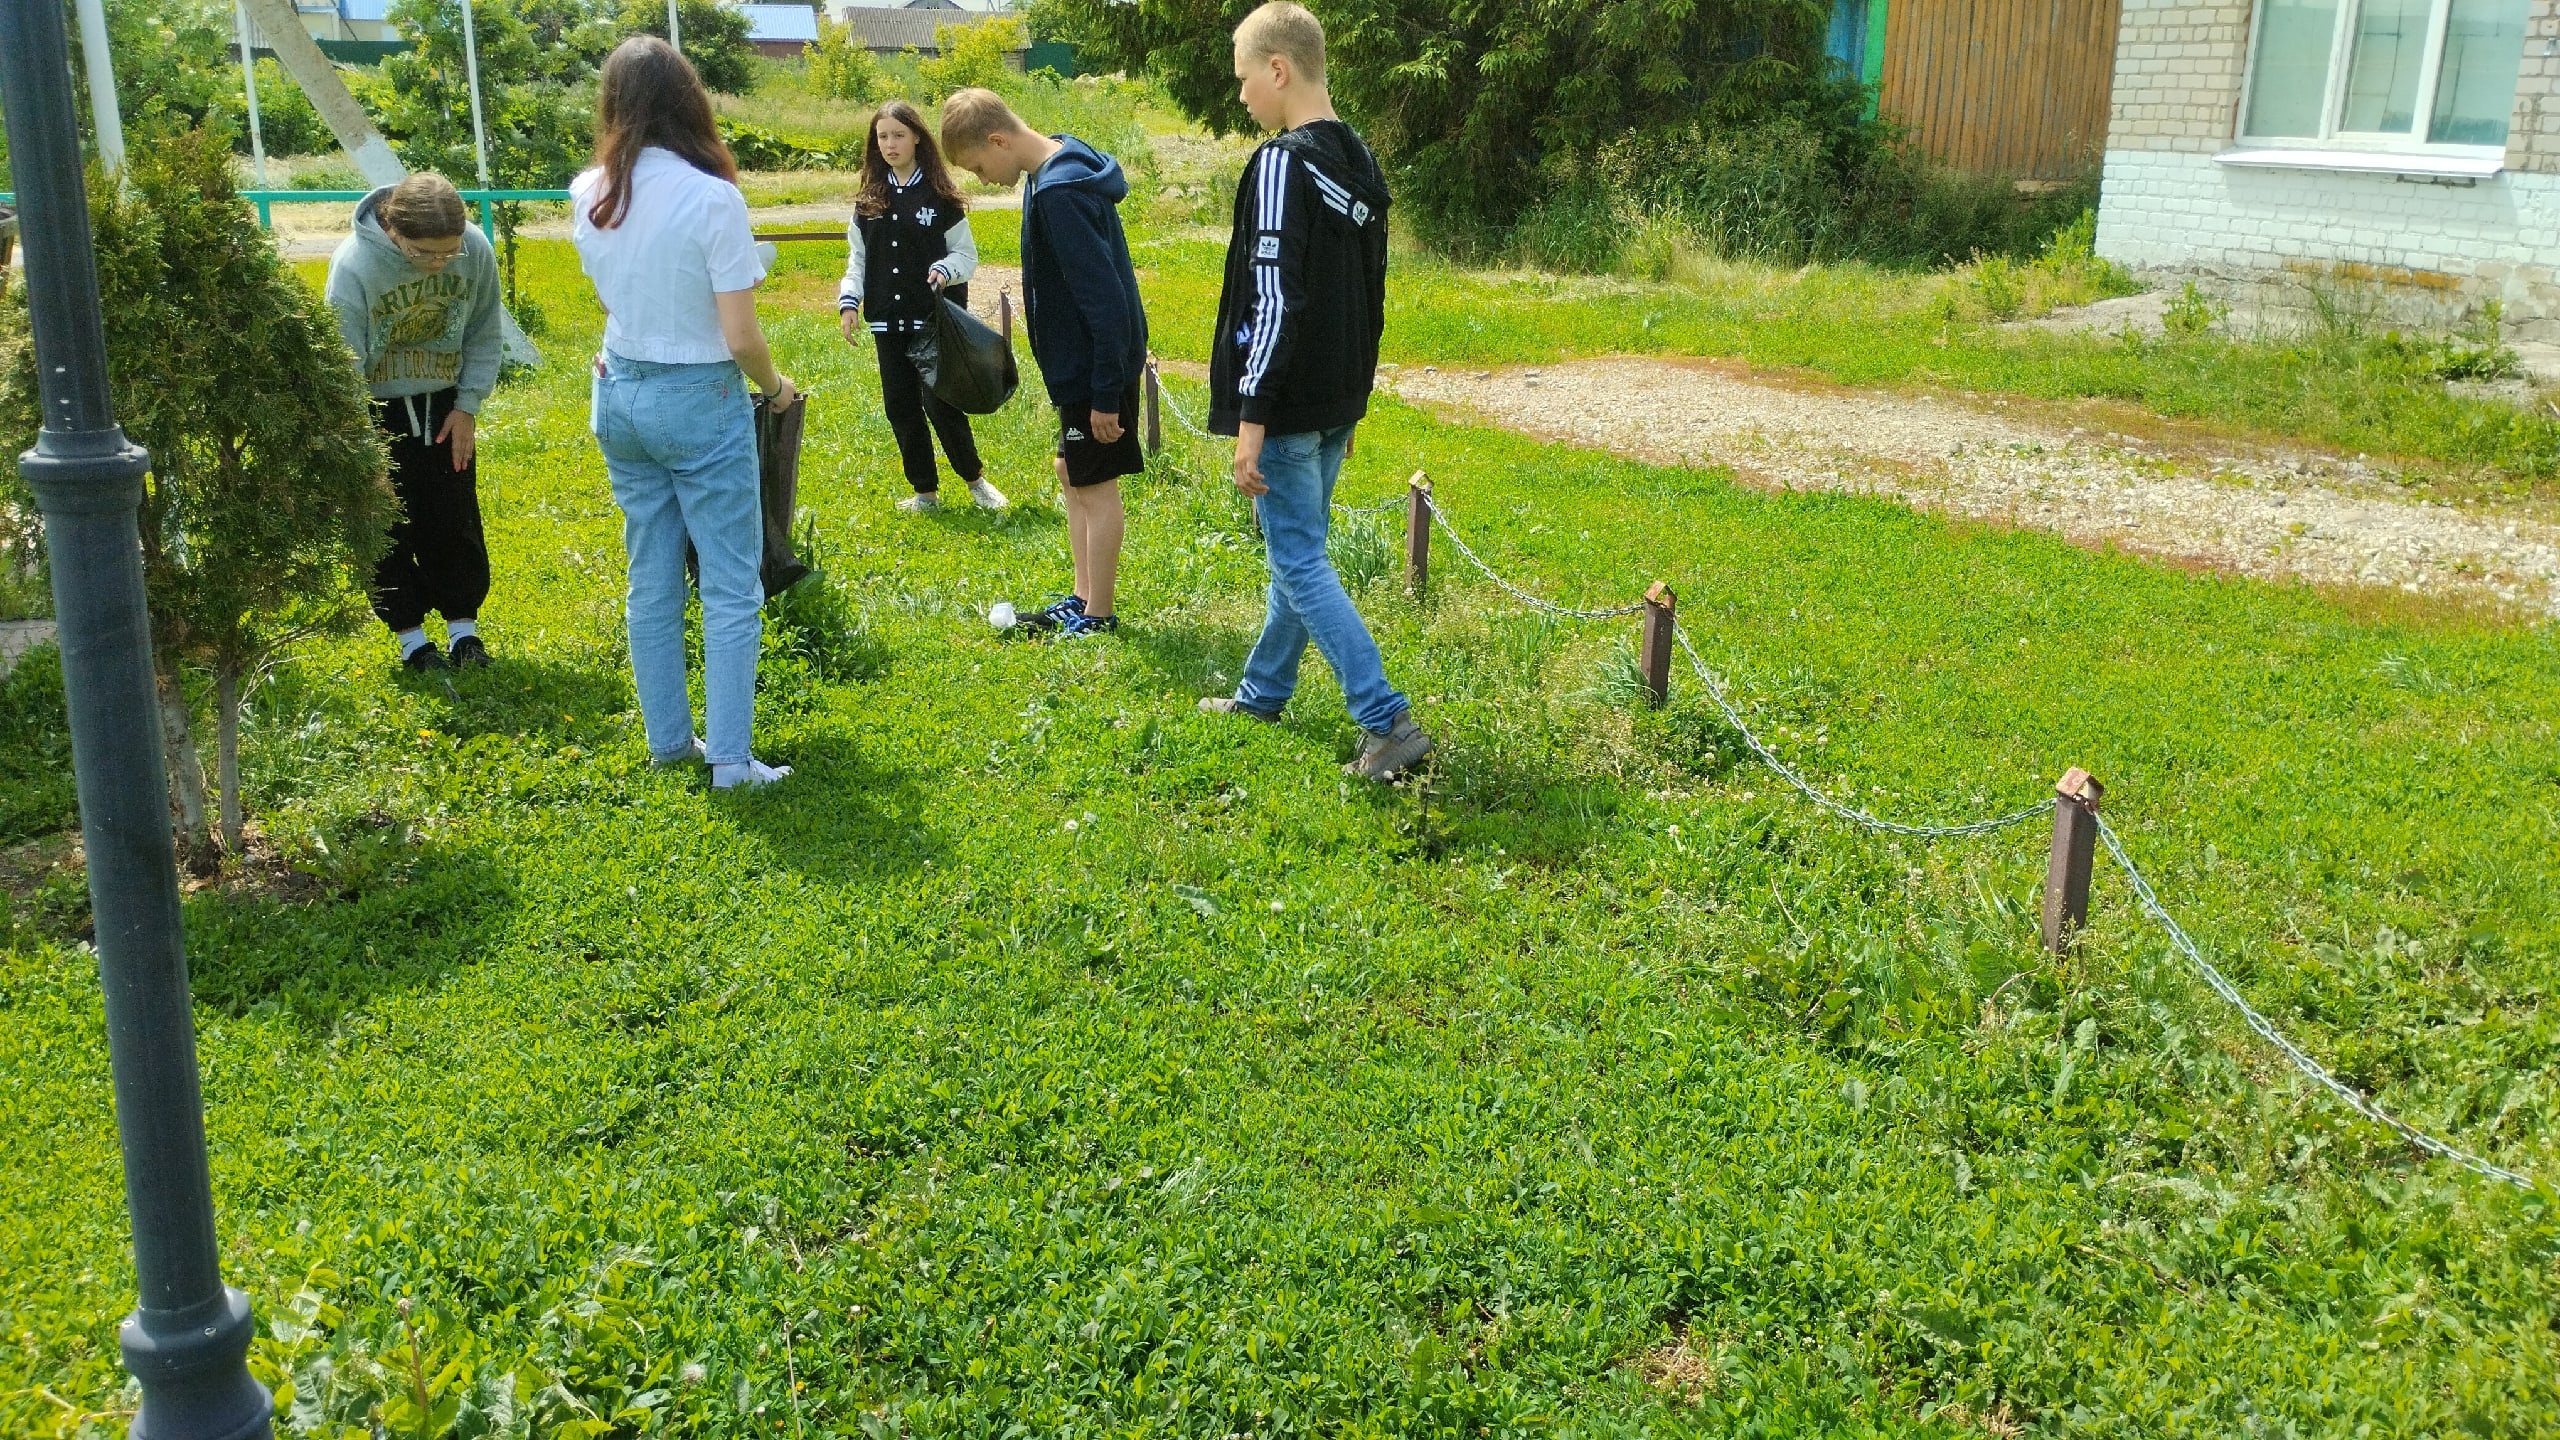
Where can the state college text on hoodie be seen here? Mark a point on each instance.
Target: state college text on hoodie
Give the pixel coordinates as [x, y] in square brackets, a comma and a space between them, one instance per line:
[1306, 286]
[416, 333]
[1079, 294]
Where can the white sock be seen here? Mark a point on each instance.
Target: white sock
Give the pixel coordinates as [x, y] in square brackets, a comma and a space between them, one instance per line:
[748, 775]
[455, 630]
[413, 640]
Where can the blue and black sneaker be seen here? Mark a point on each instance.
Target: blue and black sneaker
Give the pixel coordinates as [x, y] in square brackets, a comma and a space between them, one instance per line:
[1080, 625]
[1058, 613]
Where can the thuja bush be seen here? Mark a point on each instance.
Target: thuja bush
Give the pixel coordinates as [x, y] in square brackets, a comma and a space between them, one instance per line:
[267, 500]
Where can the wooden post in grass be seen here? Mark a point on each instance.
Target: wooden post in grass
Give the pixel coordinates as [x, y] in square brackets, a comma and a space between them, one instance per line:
[1659, 605]
[1417, 534]
[2075, 846]
[1155, 404]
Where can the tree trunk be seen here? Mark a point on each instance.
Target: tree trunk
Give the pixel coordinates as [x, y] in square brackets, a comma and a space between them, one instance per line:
[226, 719]
[281, 26]
[186, 772]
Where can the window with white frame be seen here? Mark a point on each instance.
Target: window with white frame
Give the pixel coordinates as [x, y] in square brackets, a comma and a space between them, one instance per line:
[2384, 74]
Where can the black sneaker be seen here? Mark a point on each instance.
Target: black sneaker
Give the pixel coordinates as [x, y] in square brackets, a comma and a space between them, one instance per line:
[1059, 612]
[470, 654]
[425, 660]
[1080, 624]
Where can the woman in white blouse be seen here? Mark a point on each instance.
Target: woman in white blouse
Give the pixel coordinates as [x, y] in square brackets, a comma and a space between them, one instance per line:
[662, 231]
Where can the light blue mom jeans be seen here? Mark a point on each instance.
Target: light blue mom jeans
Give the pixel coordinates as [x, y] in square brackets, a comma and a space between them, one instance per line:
[1307, 600]
[679, 442]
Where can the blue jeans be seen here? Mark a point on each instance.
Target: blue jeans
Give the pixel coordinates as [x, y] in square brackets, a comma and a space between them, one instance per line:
[1307, 598]
[679, 442]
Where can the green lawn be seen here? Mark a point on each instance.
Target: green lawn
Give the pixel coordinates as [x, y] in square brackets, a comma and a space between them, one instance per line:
[1047, 1059]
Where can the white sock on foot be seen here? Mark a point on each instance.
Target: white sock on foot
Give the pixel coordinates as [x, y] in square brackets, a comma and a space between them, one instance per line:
[460, 630]
[746, 775]
[413, 640]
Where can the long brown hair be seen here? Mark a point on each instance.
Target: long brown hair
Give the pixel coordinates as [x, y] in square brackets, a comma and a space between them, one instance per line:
[873, 198]
[649, 95]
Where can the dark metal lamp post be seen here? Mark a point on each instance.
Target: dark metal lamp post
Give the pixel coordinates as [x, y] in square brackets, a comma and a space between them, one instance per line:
[188, 1340]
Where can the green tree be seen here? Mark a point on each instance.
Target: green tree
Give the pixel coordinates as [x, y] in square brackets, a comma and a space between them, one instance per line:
[715, 39]
[840, 67]
[971, 55]
[1482, 107]
[178, 67]
[267, 501]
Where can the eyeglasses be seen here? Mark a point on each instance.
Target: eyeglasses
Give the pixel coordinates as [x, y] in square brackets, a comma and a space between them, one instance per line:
[424, 255]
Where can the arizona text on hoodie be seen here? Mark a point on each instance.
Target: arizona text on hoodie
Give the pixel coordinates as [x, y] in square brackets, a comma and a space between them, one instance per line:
[1304, 300]
[1079, 291]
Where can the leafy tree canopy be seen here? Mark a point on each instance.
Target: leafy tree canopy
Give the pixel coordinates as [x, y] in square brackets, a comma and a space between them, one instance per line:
[1478, 105]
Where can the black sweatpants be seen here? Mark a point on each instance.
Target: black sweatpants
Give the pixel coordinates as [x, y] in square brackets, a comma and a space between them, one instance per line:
[909, 405]
[438, 559]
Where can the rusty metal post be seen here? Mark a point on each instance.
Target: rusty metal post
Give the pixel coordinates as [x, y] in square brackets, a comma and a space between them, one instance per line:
[2075, 846]
[1417, 534]
[1659, 607]
[1155, 405]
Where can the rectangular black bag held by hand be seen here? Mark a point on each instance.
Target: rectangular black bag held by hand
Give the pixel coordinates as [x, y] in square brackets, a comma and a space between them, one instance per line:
[966, 365]
[778, 486]
[777, 495]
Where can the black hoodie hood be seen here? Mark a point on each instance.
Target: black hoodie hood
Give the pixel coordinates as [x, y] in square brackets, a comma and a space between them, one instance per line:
[1337, 152]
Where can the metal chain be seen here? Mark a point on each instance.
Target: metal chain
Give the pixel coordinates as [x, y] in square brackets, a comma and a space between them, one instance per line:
[1515, 592]
[1841, 808]
[1164, 399]
[2301, 1060]
[2353, 1098]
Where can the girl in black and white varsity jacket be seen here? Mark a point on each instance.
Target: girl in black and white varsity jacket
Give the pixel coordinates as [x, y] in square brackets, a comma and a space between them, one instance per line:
[909, 245]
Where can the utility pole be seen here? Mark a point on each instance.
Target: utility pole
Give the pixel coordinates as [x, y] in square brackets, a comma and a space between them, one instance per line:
[249, 78]
[673, 37]
[107, 115]
[471, 73]
[187, 1342]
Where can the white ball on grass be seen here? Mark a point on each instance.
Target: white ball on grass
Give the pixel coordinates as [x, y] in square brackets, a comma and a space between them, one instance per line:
[1000, 615]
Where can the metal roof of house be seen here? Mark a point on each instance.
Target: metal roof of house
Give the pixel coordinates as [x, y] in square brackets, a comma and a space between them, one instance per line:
[781, 22]
[881, 27]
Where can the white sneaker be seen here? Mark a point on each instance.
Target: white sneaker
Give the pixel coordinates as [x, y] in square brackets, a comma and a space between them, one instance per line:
[987, 496]
[753, 775]
[924, 504]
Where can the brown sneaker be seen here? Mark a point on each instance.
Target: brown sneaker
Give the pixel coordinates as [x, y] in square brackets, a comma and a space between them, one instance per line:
[1230, 705]
[1386, 754]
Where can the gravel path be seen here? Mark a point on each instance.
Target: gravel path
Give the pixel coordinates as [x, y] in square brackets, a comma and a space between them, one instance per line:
[2270, 514]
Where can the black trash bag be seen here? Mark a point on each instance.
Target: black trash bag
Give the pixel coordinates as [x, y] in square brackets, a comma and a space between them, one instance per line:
[778, 482]
[967, 366]
[778, 490]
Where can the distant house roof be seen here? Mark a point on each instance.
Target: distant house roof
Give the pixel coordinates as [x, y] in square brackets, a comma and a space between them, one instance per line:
[931, 5]
[881, 27]
[781, 23]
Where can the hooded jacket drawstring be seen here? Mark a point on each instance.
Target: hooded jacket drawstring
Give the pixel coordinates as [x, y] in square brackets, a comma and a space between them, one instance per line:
[418, 422]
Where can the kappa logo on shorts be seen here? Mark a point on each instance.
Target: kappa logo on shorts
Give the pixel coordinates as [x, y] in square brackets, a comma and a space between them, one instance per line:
[1268, 248]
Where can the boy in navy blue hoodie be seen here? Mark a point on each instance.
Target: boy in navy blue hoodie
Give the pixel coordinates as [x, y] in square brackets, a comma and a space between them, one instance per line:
[1088, 330]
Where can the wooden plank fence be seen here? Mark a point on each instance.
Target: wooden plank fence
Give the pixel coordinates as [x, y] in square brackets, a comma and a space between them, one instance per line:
[2003, 87]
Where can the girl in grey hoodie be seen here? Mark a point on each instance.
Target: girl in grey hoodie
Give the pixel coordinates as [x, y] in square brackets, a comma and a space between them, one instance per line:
[416, 293]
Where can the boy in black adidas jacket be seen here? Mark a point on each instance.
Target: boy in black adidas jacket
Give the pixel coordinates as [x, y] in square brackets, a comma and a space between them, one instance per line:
[1290, 371]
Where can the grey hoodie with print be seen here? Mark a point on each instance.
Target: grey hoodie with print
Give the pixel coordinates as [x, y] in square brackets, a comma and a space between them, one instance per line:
[414, 332]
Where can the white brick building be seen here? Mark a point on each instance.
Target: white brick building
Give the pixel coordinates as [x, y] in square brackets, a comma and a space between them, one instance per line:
[2408, 145]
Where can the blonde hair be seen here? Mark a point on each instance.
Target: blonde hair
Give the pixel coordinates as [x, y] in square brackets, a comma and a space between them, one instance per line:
[423, 207]
[1285, 29]
[970, 116]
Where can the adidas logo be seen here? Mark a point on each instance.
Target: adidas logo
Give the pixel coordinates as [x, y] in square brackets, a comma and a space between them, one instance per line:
[1074, 434]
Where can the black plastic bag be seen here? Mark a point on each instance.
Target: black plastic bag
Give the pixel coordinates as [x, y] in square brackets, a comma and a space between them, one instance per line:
[778, 483]
[967, 366]
[777, 490]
